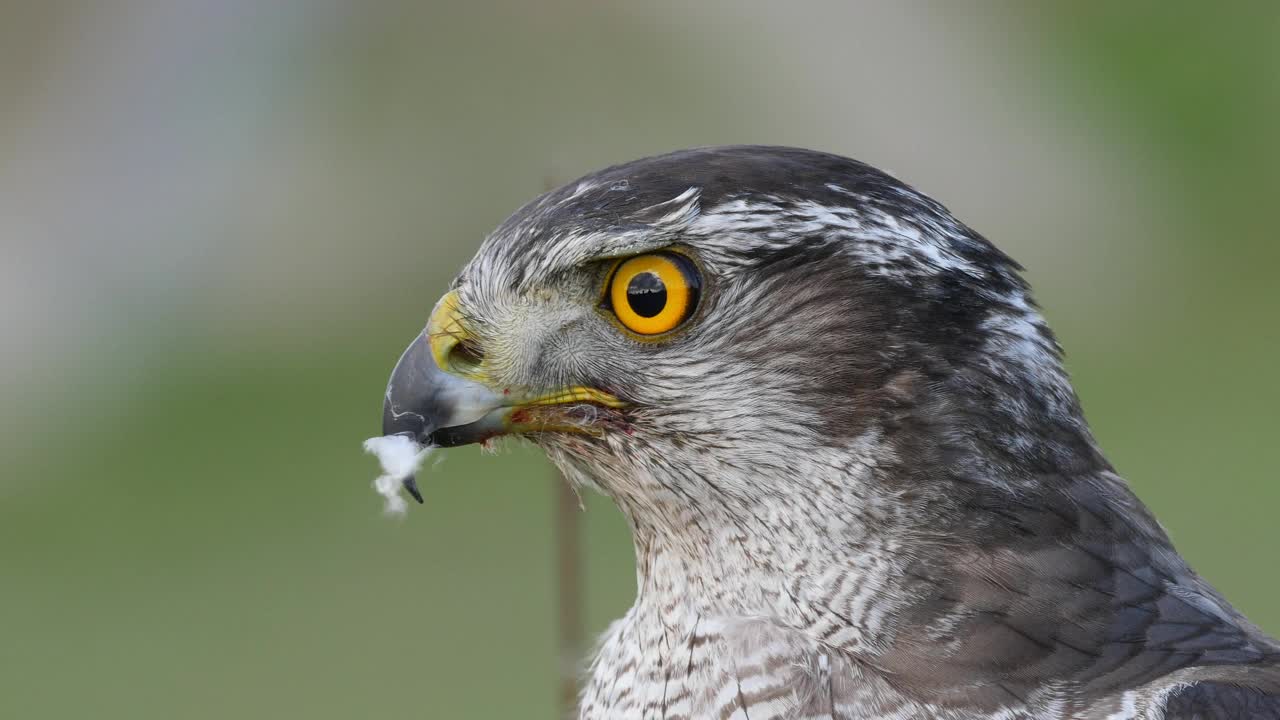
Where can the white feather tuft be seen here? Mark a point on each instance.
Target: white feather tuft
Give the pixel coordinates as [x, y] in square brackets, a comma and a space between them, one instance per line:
[400, 457]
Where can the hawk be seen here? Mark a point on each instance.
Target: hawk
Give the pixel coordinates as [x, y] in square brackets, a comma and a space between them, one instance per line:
[859, 481]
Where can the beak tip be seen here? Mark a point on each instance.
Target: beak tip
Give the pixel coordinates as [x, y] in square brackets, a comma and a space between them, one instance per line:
[410, 484]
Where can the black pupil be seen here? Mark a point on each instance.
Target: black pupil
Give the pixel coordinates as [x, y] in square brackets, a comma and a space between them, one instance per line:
[647, 294]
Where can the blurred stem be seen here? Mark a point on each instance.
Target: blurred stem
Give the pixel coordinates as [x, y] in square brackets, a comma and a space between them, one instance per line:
[569, 589]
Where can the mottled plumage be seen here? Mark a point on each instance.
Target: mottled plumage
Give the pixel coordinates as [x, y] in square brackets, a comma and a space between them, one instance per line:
[859, 481]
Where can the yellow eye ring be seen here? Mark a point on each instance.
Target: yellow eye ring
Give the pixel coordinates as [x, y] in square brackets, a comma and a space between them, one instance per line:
[653, 294]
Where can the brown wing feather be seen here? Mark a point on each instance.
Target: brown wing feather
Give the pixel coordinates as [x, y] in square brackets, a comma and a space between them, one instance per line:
[1083, 589]
[1227, 694]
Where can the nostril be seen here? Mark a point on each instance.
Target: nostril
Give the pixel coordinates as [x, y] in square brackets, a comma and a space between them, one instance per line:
[465, 356]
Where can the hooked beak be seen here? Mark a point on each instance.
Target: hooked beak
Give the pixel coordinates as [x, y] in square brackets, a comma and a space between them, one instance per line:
[439, 396]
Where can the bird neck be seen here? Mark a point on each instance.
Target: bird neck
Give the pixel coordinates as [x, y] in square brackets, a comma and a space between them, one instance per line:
[714, 539]
[756, 520]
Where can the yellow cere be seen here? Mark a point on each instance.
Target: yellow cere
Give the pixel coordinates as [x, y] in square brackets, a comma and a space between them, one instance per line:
[653, 294]
[451, 341]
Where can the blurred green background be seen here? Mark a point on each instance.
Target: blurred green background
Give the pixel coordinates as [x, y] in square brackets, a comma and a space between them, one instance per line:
[222, 221]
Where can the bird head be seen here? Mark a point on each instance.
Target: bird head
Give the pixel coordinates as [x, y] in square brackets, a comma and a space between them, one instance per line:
[825, 405]
[740, 329]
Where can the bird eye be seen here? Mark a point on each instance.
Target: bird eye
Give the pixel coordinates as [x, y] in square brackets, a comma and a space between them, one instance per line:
[653, 294]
